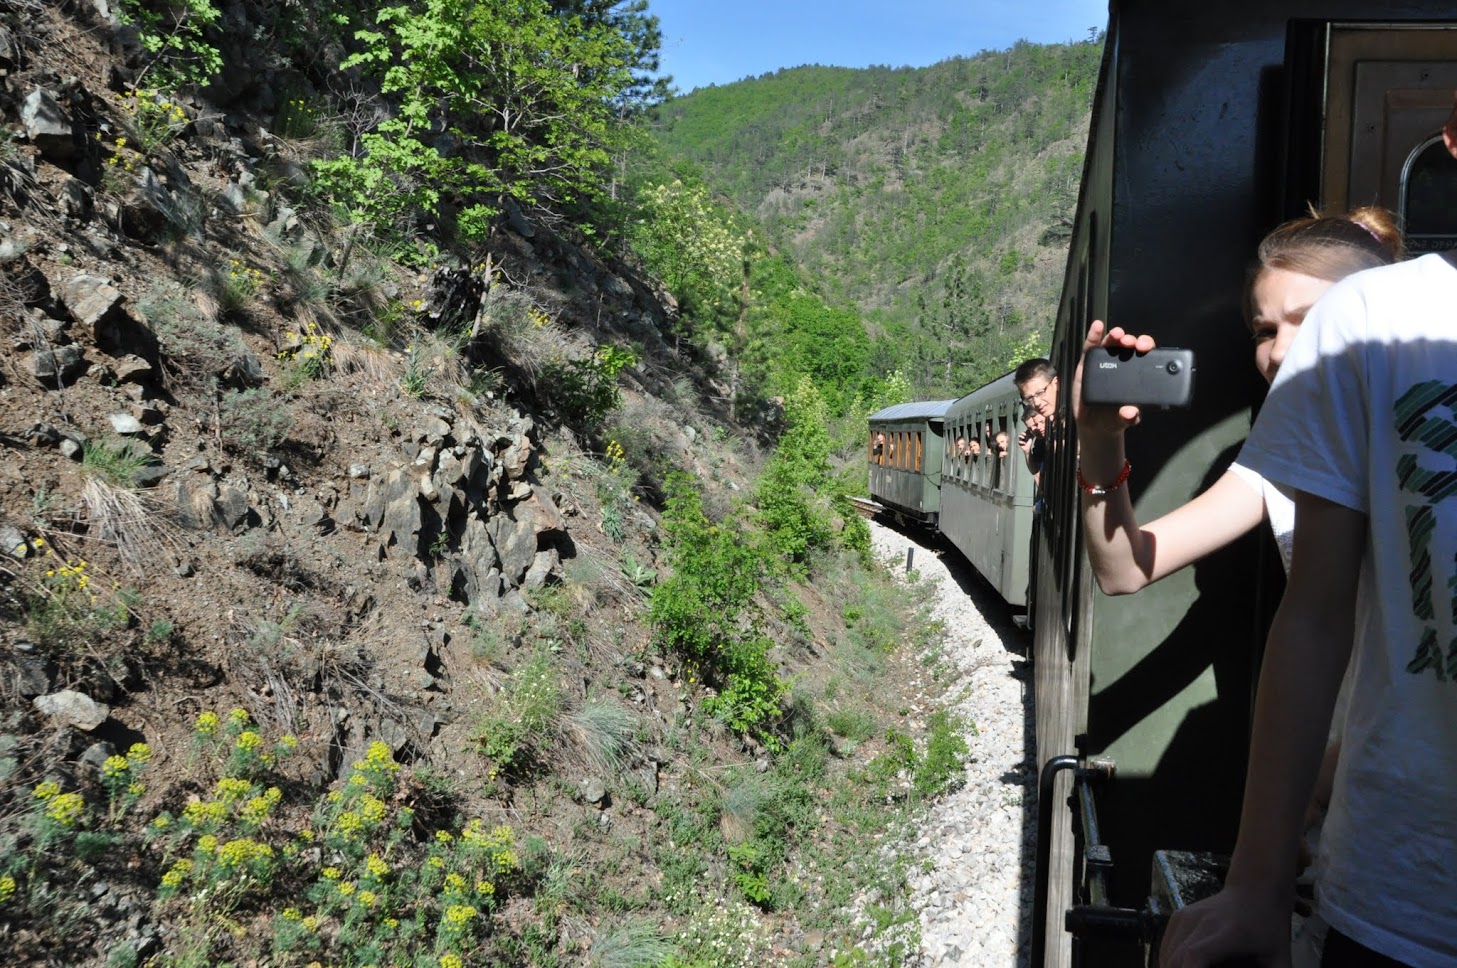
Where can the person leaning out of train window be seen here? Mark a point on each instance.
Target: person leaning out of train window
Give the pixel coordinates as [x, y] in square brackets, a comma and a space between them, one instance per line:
[1032, 441]
[973, 449]
[1036, 381]
[1295, 265]
[877, 449]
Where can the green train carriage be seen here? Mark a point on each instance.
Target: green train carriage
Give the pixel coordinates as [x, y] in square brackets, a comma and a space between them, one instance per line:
[906, 453]
[986, 501]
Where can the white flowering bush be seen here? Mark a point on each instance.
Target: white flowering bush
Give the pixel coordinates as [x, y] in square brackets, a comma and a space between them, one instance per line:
[689, 244]
[722, 934]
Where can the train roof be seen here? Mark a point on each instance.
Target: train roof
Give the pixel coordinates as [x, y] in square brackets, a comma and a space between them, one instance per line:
[995, 390]
[920, 409]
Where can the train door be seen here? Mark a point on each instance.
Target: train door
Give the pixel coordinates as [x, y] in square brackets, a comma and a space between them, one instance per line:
[1371, 99]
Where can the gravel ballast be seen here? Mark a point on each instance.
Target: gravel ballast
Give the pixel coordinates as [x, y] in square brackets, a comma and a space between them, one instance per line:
[973, 889]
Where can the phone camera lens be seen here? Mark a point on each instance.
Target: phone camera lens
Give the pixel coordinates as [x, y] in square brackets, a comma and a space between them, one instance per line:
[1172, 367]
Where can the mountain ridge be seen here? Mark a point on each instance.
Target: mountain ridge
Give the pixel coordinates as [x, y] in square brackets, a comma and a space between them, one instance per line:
[887, 184]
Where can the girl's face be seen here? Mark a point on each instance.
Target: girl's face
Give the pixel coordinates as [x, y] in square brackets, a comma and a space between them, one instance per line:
[1281, 300]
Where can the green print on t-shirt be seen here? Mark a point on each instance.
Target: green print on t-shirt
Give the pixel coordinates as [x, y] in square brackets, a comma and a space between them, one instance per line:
[1416, 422]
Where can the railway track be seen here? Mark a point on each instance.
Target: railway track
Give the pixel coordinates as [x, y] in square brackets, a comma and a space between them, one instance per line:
[866, 507]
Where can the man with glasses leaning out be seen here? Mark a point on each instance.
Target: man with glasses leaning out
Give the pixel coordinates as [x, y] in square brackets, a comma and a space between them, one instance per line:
[1036, 381]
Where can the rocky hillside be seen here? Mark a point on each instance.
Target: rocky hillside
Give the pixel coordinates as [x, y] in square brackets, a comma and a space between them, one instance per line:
[325, 578]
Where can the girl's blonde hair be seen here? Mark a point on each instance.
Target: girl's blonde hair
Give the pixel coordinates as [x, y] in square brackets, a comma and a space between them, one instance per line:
[1329, 247]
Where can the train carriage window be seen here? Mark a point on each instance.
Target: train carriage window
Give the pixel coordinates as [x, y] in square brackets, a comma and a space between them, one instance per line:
[1429, 197]
[920, 448]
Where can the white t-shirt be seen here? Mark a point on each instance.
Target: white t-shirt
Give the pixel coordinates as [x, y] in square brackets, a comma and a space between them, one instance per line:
[1364, 413]
[1279, 509]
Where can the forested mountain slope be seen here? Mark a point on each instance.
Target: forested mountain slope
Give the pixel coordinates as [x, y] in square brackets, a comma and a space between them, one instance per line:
[936, 200]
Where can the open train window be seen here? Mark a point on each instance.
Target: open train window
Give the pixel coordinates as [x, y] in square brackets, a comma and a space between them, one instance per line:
[1367, 106]
[1428, 200]
[920, 448]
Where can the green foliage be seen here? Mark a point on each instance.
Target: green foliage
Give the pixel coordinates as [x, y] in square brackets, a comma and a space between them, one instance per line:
[933, 772]
[875, 180]
[586, 389]
[794, 518]
[704, 612]
[793, 333]
[524, 717]
[940, 768]
[524, 92]
[172, 33]
[689, 243]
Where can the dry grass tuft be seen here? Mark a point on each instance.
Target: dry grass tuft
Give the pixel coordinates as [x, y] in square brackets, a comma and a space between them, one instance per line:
[375, 363]
[121, 517]
[602, 735]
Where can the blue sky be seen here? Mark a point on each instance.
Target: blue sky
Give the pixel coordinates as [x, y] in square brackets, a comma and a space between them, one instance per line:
[719, 41]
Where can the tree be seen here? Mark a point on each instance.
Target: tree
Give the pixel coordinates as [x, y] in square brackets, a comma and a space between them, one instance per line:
[631, 19]
[495, 101]
[688, 242]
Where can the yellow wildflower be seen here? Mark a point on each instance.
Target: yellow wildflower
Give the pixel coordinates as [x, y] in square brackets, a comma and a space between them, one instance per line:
[459, 915]
[66, 809]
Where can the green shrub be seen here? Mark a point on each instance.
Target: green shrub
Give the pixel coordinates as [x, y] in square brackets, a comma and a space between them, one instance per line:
[704, 612]
[585, 390]
[172, 34]
[524, 719]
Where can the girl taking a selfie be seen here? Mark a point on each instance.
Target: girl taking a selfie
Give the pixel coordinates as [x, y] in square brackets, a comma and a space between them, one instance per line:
[1296, 263]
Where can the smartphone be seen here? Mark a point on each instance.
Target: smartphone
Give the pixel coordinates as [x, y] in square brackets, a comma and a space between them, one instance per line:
[1162, 377]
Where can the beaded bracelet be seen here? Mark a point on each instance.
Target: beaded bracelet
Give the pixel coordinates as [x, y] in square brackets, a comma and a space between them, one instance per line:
[1097, 490]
